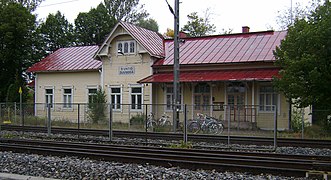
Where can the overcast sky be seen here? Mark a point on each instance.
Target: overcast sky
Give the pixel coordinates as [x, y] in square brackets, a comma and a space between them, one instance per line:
[259, 15]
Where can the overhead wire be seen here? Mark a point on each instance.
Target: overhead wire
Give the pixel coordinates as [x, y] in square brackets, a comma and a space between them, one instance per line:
[64, 2]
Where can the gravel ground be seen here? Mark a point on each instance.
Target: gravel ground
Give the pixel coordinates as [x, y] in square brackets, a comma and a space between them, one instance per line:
[77, 168]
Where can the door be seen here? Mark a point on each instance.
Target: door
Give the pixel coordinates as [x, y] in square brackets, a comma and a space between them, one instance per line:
[202, 103]
[236, 101]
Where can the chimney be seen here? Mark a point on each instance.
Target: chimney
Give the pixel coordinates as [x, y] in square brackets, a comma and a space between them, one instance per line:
[182, 35]
[245, 29]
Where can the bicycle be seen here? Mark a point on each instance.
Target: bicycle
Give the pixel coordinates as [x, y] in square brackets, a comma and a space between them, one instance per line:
[205, 123]
[150, 122]
[164, 120]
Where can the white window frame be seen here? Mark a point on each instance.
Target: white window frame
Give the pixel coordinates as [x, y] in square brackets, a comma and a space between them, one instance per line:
[263, 107]
[136, 98]
[169, 108]
[122, 50]
[88, 94]
[110, 94]
[53, 93]
[67, 105]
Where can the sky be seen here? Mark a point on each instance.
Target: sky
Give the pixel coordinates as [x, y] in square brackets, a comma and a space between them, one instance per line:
[259, 15]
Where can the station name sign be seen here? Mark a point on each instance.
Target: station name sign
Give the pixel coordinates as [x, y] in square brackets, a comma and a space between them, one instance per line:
[126, 70]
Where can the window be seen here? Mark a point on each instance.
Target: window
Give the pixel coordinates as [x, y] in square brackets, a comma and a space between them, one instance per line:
[136, 98]
[126, 47]
[49, 96]
[67, 98]
[202, 97]
[170, 97]
[115, 98]
[92, 94]
[268, 98]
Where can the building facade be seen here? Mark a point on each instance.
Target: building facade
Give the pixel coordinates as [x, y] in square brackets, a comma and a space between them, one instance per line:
[225, 76]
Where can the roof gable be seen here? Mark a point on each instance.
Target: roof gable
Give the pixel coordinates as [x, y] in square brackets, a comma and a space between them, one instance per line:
[149, 40]
[232, 48]
[68, 59]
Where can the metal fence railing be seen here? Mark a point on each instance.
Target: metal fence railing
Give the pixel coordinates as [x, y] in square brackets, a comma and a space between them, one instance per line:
[236, 120]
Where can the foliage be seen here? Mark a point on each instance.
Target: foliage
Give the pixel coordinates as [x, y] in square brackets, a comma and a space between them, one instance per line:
[285, 17]
[149, 24]
[17, 26]
[296, 120]
[126, 10]
[97, 108]
[170, 33]
[137, 119]
[304, 56]
[56, 32]
[197, 26]
[182, 145]
[92, 27]
[317, 132]
[31, 5]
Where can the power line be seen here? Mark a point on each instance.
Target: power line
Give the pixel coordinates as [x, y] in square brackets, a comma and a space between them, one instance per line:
[64, 2]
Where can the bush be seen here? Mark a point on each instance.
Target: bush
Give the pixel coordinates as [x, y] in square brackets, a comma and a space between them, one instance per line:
[138, 119]
[296, 121]
[97, 107]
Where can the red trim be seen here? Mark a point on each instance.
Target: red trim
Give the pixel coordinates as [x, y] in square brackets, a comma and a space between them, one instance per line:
[209, 76]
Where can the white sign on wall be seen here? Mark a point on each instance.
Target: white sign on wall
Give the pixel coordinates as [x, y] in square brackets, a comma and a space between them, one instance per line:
[126, 70]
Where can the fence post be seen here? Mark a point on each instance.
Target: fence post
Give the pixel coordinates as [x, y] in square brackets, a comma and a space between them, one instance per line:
[303, 124]
[229, 117]
[78, 119]
[185, 124]
[110, 122]
[275, 127]
[146, 119]
[49, 119]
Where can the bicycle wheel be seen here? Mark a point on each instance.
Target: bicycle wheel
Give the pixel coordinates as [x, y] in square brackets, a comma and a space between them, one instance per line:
[193, 127]
[221, 129]
[151, 125]
[214, 128]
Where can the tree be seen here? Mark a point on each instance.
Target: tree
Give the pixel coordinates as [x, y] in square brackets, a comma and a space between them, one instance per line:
[92, 27]
[56, 32]
[305, 58]
[31, 5]
[170, 33]
[17, 25]
[126, 10]
[197, 26]
[286, 17]
[97, 108]
[149, 23]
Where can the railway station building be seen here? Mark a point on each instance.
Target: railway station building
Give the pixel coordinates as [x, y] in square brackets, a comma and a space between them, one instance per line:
[225, 76]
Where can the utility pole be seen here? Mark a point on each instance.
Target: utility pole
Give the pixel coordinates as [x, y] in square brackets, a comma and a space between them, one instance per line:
[176, 89]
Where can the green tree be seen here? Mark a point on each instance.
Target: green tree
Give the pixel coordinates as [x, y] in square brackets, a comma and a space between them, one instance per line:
[56, 32]
[149, 23]
[31, 5]
[92, 27]
[305, 58]
[17, 25]
[197, 26]
[126, 10]
[97, 107]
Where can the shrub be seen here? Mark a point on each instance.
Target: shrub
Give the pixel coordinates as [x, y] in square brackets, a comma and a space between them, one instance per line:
[97, 107]
[138, 119]
[296, 121]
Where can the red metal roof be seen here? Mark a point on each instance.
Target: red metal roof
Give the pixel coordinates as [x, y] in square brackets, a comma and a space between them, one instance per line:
[231, 48]
[219, 75]
[69, 59]
[150, 40]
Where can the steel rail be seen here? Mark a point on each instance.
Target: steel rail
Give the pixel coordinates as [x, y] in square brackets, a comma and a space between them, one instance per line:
[178, 136]
[279, 164]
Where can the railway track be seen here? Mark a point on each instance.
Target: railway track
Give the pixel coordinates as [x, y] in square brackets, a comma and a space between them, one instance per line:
[179, 136]
[256, 163]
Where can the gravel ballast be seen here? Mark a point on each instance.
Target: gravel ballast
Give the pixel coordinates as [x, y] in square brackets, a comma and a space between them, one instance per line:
[78, 168]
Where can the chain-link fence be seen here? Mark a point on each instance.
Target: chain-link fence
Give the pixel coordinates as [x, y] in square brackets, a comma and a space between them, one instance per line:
[225, 120]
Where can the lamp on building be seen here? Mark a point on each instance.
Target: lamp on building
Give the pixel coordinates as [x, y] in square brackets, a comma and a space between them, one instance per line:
[120, 52]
